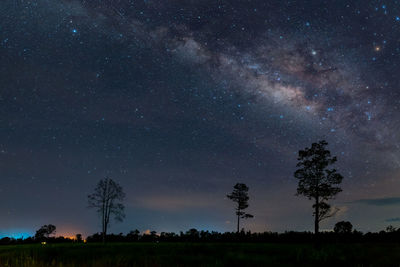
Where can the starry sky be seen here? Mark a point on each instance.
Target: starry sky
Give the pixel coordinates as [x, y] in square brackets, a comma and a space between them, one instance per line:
[179, 100]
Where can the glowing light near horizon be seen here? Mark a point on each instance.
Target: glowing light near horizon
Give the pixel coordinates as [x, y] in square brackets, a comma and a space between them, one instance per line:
[70, 237]
[16, 234]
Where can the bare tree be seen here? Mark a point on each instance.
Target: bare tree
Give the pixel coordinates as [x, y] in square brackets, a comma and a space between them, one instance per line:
[107, 199]
[317, 181]
[240, 196]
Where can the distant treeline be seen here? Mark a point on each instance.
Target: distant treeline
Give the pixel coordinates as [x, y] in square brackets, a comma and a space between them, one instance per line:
[193, 235]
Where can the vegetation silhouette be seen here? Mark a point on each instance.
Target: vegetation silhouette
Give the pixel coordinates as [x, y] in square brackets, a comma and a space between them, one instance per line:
[107, 199]
[343, 227]
[44, 232]
[194, 235]
[317, 181]
[390, 235]
[391, 229]
[133, 236]
[240, 196]
[78, 238]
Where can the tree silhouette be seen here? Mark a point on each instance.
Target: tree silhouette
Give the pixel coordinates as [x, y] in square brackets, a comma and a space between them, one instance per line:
[133, 235]
[241, 197]
[390, 229]
[317, 181]
[45, 231]
[78, 238]
[343, 227]
[107, 199]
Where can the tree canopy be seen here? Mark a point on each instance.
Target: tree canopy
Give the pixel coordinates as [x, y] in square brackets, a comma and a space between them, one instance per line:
[45, 231]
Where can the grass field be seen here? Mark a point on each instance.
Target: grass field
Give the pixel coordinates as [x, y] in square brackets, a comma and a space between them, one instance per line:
[199, 254]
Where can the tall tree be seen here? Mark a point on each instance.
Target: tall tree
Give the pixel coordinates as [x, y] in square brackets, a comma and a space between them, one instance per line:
[241, 197]
[317, 181]
[107, 199]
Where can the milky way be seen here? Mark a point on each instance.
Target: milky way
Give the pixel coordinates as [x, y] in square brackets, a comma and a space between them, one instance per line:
[179, 100]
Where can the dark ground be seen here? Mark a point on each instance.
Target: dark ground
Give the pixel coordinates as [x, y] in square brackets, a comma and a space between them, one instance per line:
[199, 254]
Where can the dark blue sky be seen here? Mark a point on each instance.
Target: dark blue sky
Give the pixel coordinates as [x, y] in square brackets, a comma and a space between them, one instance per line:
[179, 100]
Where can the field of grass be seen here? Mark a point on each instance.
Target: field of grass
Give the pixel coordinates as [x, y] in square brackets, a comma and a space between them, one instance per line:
[198, 254]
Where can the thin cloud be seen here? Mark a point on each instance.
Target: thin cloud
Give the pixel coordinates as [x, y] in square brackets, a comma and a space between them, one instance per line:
[174, 203]
[388, 201]
[397, 219]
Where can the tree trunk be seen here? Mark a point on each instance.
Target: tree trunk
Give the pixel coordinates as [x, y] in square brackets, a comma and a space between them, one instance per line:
[105, 234]
[316, 219]
[104, 225]
[104, 231]
[316, 222]
[316, 227]
[238, 219]
[106, 221]
[103, 214]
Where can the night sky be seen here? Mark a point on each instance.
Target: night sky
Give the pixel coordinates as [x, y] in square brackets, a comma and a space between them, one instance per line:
[179, 100]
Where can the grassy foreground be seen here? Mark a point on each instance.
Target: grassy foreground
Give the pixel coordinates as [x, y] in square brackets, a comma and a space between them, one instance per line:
[199, 254]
